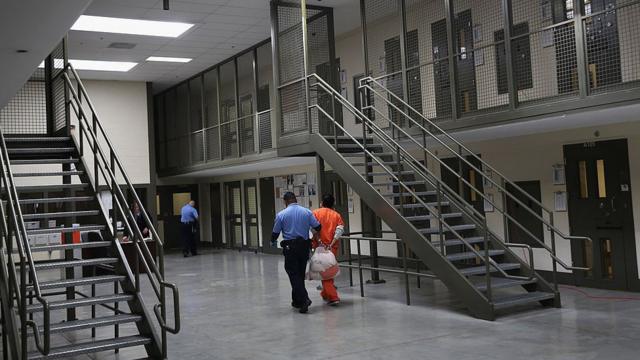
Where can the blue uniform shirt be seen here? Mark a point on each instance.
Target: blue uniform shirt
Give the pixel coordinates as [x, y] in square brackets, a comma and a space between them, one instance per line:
[188, 214]
[295, 221]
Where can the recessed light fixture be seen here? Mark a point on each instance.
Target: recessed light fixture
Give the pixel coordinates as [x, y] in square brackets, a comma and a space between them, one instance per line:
[130, 26]
[169, 59]
[95, 65]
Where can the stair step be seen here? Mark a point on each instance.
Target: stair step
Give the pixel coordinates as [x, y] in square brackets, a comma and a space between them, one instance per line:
[60, 214]
[471, 255]
[22, 139]
[477, 270]
[93, 323]
[91, 347]
[521, 299]
[51, 188]
[43, 161]
[430, 217]
[60, 230]
[375, 163]
[396, 183]
[456, 242]
[404, 172]
[435, 230]
[52, 150]
[69, 304]
[62, 284]
[361, 154]
[84, 245]
[51, 173]
[501, 283]
[74, 263]
[419, 205]
[57, 200]
[418, 193]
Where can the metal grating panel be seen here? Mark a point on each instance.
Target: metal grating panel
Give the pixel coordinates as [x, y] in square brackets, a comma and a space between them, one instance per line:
[211, 97]
[197, 147]
[182, 110]
[264, 121]
[212, 137]
[26, 112]
[292, 104]
[195, 104]
[247, 134]
[229, 140]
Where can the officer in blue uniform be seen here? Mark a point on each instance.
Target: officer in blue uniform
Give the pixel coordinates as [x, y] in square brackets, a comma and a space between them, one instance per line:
[188, 219]
[294, 222]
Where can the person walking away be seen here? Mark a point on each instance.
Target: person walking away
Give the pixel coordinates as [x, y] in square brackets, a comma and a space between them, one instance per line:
[294, 222]
[328, 237]
[188, 220]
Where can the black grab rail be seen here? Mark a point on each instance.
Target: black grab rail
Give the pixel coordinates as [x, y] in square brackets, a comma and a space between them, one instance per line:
[110, 168]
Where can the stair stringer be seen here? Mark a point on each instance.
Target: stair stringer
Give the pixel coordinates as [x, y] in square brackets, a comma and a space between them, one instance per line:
[457, 283]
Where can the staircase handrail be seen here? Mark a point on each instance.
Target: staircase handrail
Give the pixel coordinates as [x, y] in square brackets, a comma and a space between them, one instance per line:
[111, 169]
[14, 213]
[364, 83]
[431, 209]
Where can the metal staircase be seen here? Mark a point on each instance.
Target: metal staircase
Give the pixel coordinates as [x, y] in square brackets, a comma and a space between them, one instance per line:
[64, 273]
[390, 170]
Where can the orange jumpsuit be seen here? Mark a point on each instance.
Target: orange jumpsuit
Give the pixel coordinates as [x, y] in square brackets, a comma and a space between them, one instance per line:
[330, 220]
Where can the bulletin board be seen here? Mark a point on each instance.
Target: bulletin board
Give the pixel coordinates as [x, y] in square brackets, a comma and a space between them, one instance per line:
[302, 185]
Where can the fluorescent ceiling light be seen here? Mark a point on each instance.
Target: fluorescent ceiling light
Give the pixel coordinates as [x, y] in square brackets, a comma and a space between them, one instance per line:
[130, 26]
[169, 59]
[95, 65]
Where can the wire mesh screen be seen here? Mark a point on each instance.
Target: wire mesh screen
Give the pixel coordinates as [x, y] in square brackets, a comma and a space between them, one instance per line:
[58, 88]
[293, 108]
[230, 140]
[611, 33]
[26, 112]
[264, 123]
[548, 34]
[197, 147]
[212, 137]
[246, 128]
[195, 104]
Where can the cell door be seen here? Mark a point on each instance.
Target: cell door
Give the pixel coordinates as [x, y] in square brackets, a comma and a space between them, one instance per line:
[440, 52]
[462, 169]
[393, 65]
[603, 46]
[233, 214]
[599, 199]
[465, 65]
[251, 214]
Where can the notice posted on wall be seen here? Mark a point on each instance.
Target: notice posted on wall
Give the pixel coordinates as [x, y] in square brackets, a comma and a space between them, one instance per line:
[299, 184]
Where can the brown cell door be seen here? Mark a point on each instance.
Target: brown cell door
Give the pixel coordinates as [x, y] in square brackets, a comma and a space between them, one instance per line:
[338, 189]
[233, 216]
[599, 199]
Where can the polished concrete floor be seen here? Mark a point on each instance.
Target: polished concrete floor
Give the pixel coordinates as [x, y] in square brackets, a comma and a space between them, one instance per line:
[236, 306]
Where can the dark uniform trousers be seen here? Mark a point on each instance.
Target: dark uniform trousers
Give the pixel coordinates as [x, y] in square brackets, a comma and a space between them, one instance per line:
[188, 238]
[296, 256]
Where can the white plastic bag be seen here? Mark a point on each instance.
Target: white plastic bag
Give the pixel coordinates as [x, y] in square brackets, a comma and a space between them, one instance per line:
[323, 265]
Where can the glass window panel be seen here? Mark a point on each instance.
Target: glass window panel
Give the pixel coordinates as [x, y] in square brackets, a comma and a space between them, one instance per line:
[582, 177]
[211, 98]
[228, 92]
[182, 109]
[264, 67]
[246, 84]
[607, 258]
[602, 185]
[170, 118]
[195, 103]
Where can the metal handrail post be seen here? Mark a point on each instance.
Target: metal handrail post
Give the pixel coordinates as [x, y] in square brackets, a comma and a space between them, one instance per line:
[487, 264]
[360, 269]
[406, 272]
[443, 250]
[553, 249]
[350, 263]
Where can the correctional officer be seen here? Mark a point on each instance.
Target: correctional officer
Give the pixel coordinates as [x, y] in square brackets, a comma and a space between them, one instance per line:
[295, 222]
[188, 219]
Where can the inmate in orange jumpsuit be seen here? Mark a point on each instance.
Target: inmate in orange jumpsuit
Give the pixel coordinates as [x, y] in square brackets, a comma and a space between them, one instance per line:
[330, 220]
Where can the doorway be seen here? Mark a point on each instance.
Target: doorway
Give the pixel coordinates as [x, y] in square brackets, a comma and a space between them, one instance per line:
[462, 169]
[216, 215]
[600, 207]
[233, 214]
[523, 216]
[251, 214]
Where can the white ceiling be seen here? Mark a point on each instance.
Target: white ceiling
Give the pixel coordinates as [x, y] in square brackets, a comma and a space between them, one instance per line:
[35, 26]
[222, 29]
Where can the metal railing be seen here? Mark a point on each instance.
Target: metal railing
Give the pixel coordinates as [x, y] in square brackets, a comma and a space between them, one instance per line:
[369, 127]
[432, 134]
[107, 165]
[13, 228]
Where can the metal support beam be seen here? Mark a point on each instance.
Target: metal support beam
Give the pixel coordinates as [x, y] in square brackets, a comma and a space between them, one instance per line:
[581, 53]
[276, 111]
[511, 80]
[452, 51]
[365, 45]
[403, 51]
